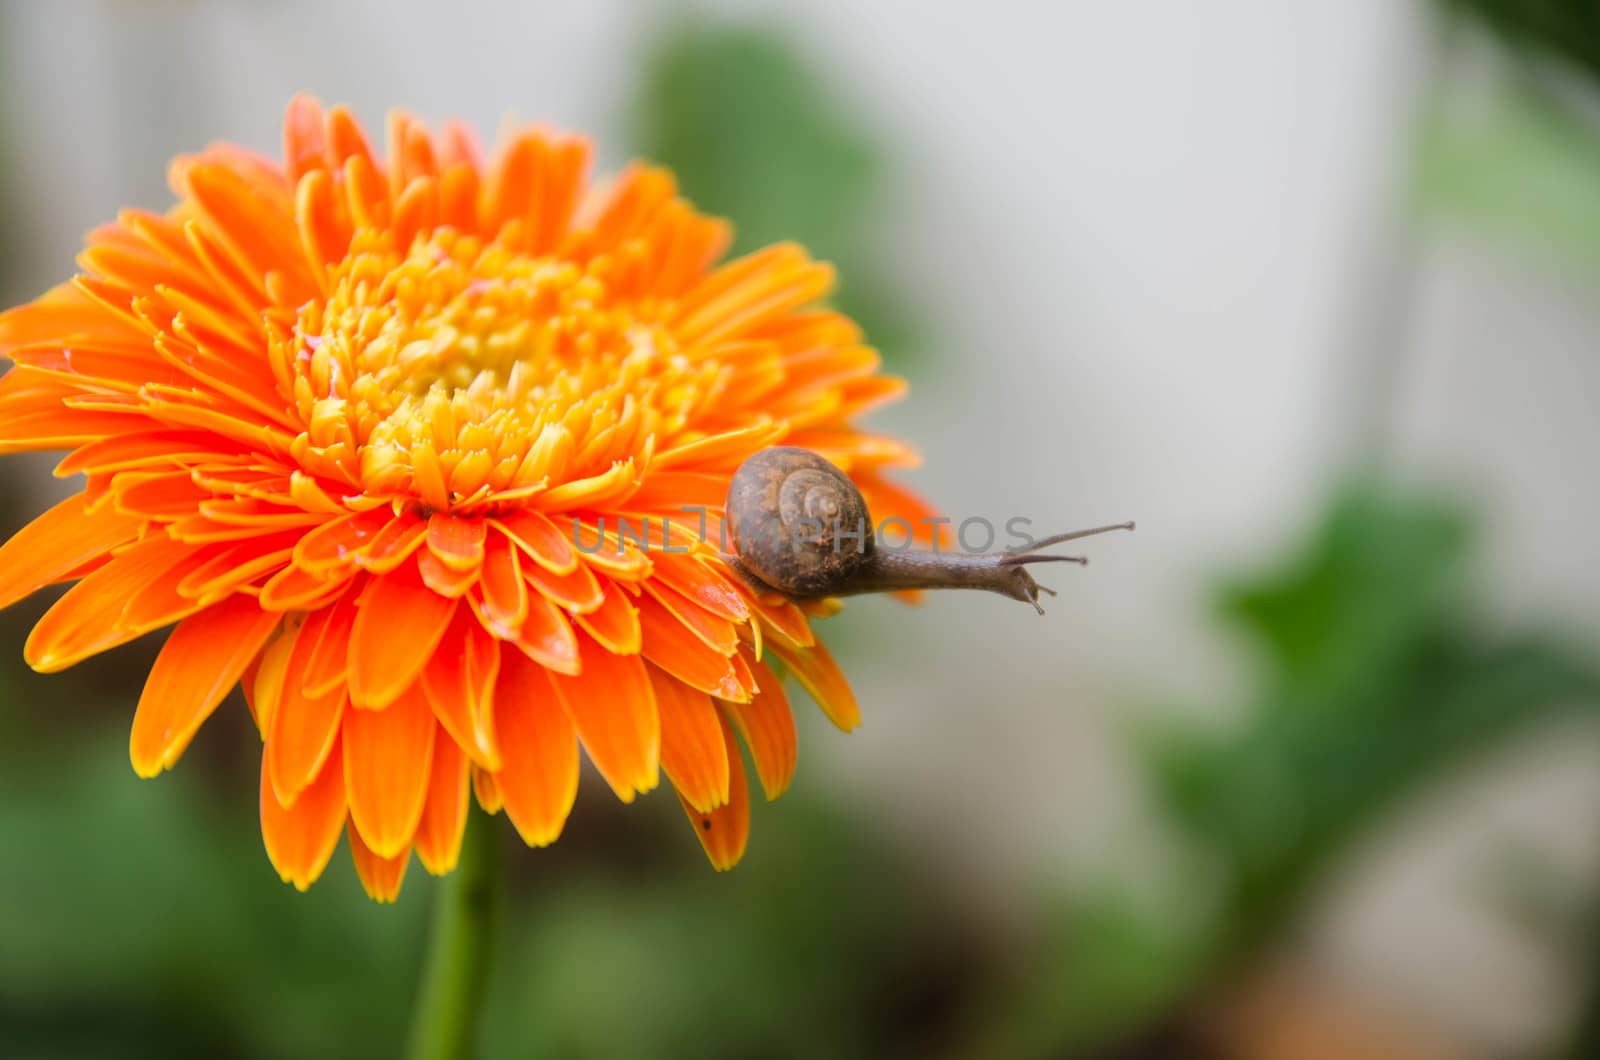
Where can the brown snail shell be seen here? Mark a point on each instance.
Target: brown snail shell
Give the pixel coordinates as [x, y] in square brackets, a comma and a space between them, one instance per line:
[798, 523]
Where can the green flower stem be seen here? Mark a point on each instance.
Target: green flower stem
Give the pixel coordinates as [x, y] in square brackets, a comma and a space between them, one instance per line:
[445, 1021]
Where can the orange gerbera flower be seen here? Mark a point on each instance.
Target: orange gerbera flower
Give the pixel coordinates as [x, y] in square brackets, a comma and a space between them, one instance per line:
[342, 421]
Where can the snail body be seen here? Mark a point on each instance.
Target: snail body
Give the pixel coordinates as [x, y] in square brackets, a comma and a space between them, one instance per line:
[800, 527]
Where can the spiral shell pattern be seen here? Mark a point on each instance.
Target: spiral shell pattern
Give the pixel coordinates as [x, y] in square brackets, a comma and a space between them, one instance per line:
[799, 523]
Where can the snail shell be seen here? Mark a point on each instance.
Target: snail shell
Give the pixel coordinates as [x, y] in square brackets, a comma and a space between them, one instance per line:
[798, 523]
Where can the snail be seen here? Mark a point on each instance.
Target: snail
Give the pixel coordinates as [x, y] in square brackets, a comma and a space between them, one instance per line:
[801, 528]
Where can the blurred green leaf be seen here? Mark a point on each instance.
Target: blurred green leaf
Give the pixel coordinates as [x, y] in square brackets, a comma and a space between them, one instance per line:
[1517, 164]
[1109, 963]
[146, 921]
[826, 945]
[1567, 28]
[1376, 572]
[755, 132]
[150, 909]
[1382, 673]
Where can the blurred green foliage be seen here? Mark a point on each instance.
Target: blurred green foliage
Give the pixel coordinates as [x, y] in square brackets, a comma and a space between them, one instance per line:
[144, 920]
[1567, 28]
[1519, 164]
[753, 131]
[1381, 672]
[1523, 161]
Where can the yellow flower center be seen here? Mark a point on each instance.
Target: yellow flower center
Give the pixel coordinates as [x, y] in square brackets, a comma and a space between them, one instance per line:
[463, 373]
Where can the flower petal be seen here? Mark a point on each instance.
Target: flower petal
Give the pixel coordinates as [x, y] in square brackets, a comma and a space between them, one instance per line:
[328, 666]
[706, 585]
[303, 728]
[539, 780]
[767, 726]
[457, 542]
[381, 877]
[693, 753]
[486, 790]
[671, 645]
[444, 814]
[579, 591]
[611, 703]
[300, 838]
[398, 624]
[200, 663]
[717, 632]
[541, 540]
[263, 681]
[615, 623]
[547, 637]
[505, 592]
[392, 545]
[819, 675]
[388, 756]
[83, 622]
[459, 682]
[57, 543]
[725, 831]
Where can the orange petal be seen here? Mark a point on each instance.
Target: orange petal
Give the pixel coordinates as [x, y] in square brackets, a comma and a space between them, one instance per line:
[547, 637]
[305, 147]
[83, 621]
[300, 838]
[767, 726]
[328, 666]
[200, 663]
[505, 593]
[459, 682]
[717, 632]
[541, 539]
[447, 581]
[486, 790]
[398, 624]
[292, 589]
[388, 756]
[338, 542]
[612, 705]
[728, 449]
[708, 587]
[381, 877]
[579, 591]
[392, 545]
[672, 646]
[615, 623]
[725, 831]
[781, 617]
[693, 753]
[819, 675]
[619, 552]
[303, 728]
[444, 815]
[540, 778]
[262, 681]
[346, 138]
[56, 543]
[457, 542]
[258, 237]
